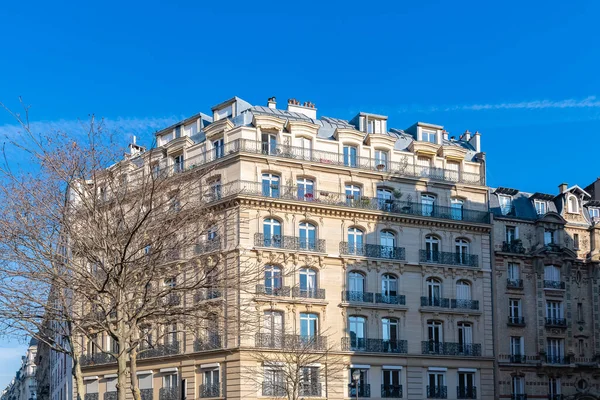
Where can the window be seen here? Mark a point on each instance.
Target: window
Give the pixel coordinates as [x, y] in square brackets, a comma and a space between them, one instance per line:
[381, 160]
[580, 312]
[269, 144]
[170, 283]
[362, 384]
[432, 247]
[514, 311]
[274, 383]
[434, 335]
[518, 386]
[548, 237]
[553, 388]
[308, 236]
[576, 241]
[308, 283]
[505, 204]
[463, 290]
[581, 348]
[273, 280]
[540, 207]
[272, 329]
[428, 136]
[388, 244]
[385, 199]
[272, 232]
[191, 129]
[462, 251]
[352, 194]
[511, 234]
[514, 273]
[215, 189]
[309, 325]
[516, 348]
[456, 209]
[436, 385]
[390, 334]
[452, 172]
[434, 292]
[356, 282]
[171, 335]
[594, 213]
[555, 351]
[551, 274]
[304, 146]
[465, 338]
[178, 163]
[389, 286]
[309, 382]
[427, 205]
[424, 166]
[350, 156]
[357, 332]
[355, 241]
[573, 206]
[466, 385]
[219, 148]
[212, 233]
[170, 381]
[305, 189]
[270, 185]
[391, 383]
[211, 380]
[554, 310]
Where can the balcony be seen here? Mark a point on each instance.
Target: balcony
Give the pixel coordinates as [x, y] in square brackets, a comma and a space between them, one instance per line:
[168, 393]
[88, 360]
[427, 301]
[308, 293]
[437, 392]
[159, 350]
[312, 389]
[561, 360]
[451, 349]
[554, 285]
[110, 396]
[90, 396]
[464, 304]
[208, 246]
[210, 390]
[391, 391]
[147, 394]
[281, 341]
[517, 358]
[373, 250]
[207, 294]
[289, 243]
[282, 291]
[466, 392]
[172, 300]
[357, 297]
[556, 322]
[212, 341]
[521, 396]
[515, 247]
[381, 298]
[447, 258]
[514, 283]
[274, 389]
[516, 321]
[364, 390]
[375, 345]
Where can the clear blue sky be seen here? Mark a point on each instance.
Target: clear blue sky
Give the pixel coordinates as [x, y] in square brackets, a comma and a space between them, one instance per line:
[525, 74]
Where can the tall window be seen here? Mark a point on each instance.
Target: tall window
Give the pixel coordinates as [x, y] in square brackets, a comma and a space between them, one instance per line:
[385, 200]
[466, 385]
[465, 337]
[357, 326]
[308, 236]
[273, 279]
[511, 234]
[391, 383]
[272, 328]
[171, 335]
[435, 335]
[309, 325]
[554, 311]
[505, 204]
[463, 290]
[553, 388]
[551, 273]
[516, 347]
[462, 251]
[350, 156]
[456, 209]
[170, 381]
[381, 160]
[555, 350]
[270, 185]
[219, 148]
[178, 163]
[304, 146]
[215, 189]
[390, 334]
[305, 189]
[269, 143]
[427, 205]
[272, 232]
[356, 282]
[436, 385]
[428, 136]
[573, 206]
[434, 292]
[308, 282]
[514, 273]
[518, 386]
[389, 285]
[352, 194]
[211, 382]
[576, 241]
[362, 383]
[388, 244]
[548, 236]
[355, 240]
[274, 381]
[453, 171]
[424, 166]
[514, 311]
[432, 248]
[540, 207]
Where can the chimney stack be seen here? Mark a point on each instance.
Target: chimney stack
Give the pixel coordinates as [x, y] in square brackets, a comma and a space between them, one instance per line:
[307, 108]
[272, 102]
[466, 136]
[445, 134]
[562, 188]
[475, 141]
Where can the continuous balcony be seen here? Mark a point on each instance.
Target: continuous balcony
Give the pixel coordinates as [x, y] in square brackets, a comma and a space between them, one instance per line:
[211, 341]
[466, 392]
[560, 360]
[282, 341]
[514, 247]
[373, 251]
[437, 392]
[88, 360]
[289, 243]
[391, 391]
[462, 304]
[518, 359]
[514, 283]
[443, 257]
[381, 298]
[90, 396]
[554, 285]
[160, 350]
[375, 345]
[451, 349]
[556, 322]
[286, 291]
[147, 394]
[516, 321]
[110, 395]
[210, 390]
[278, 291]
[357, 296]
[168, 393]
[364, 390]
[308, 293]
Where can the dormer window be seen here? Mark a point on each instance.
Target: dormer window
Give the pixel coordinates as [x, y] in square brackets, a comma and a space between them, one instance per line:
[594, 213]
[505, 204]
[540, 207]
[223, 113]
[269, 143]
[573, 206]
[428, 136]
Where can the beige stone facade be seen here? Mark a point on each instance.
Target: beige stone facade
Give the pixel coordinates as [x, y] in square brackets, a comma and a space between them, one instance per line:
[375, 239]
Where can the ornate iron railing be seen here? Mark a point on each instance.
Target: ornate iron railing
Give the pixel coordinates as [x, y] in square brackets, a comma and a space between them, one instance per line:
[273, 389]
[210, 390]
[515, 247]
[308, 293]
[289, 243]
[464, 304]
[357, 297]
[312, 389]
[364, 390]
[96, 359]
[427, 301]
[282, 291]
[556, 322]
[159, 350]
[514, 283]
[281, 341]
[373, 250]
[387, 299]
[147, 394]
[520, 321]
[375, 345]
[211, 341]
[391, 391]
[207, 294]
[91, 396]
[550, 359]
[437, 392]
[169, 393]
[208, 246]
[554, 285]
[451, 349]
[110, 395]
[466, 392]
[443, 257]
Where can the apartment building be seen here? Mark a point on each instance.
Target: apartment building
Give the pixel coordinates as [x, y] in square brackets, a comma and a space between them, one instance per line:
[546, 253]
[372, 242]
[23, 386]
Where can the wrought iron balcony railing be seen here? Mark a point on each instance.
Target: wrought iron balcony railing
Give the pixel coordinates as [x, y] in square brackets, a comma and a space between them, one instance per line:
[443, 257]
[554, 285]
[281, 291]
[391, 391]
[289, 243]
[159, 350]
[517, 358]
[515, 247]
[375, 345]
[427, 301]
[556, 322]
[210, 390]
[208, 246]
[516, 321]
[168, 393]
[373, 250]
[96, 359]
[437, 392]
[514, 283]
[110, 395]
[281, 341]
[211, 341]
[389, 299]
[308, 293]
[208, 294]
[90, 396]
[551, 359]
[273, 389]
[147, 394]
[364, 390]
[451, 349]
[357, 297]
[466, 392]
[464, 304]
[312, 389]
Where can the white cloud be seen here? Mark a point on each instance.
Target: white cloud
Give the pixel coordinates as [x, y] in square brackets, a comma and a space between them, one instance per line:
[590, 102]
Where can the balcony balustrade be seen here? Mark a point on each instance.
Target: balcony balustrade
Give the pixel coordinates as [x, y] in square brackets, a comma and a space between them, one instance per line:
[437, 392]
[273, 389]
[147, 394]
[464, 304]
[553, 322]
[168, 393]
[279, 291]
[373, 251]
[427, 301]
[208, 246]
[466, 392]
[391, 391]
[514, 283]
[448, 258]
[211, 341]
[308, 293]
[110, 396]
[357, 297]
[364, 390]
[312, 389]
[451, 349]
[515, 247]
[516, 321]
[210, 390]
[554, 285]
[552, 359]
[289, 243]
[281, 341]
[375, 345]
[381, 298]
[159, 350]
[87, 360]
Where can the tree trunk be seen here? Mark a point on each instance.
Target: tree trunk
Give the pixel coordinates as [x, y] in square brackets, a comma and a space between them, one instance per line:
[78, 378]
[135, 388]
[122, 369]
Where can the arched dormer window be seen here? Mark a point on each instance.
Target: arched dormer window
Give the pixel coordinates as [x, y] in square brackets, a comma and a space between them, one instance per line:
[573, 205]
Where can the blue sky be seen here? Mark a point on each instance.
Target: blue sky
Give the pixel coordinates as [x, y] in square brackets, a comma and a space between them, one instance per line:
[525, 74]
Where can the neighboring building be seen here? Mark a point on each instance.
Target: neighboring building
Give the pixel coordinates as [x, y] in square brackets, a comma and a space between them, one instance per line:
[378, 238]
[23, 386]
[547, 323]
[42, 373]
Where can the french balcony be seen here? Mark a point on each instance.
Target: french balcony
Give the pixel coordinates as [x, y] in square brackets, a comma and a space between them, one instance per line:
[375, 345]
[381, 298]
[464, 304]
[556, 322]
[290, 342]
[289, 243]
[514, 247]
[514, 283]
[159, 350]
[88, 360]
[451, 349]
[437, 392]
[90, 396]
[373, 251]
[427, 301]
[516, 321]
[273, 389]
[168, 393]
[364, 390]
[391, 391]
[520, 396]
[448, 258]
[554, 285]
[466, 392]
[357, 297]
[312, 389]
[559, 360]
[210, 390]
[308, 293]
[211, 341]
[147, 394]
[278, 291]
[110, 395]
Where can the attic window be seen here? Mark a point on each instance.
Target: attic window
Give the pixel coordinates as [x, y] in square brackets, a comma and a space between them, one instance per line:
[505, 204]
[223, 113]
[540, 207]
[594, 212]
[428, 136]
[573, 207]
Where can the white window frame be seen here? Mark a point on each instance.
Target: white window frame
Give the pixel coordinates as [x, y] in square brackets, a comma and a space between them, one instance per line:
[505, 203]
